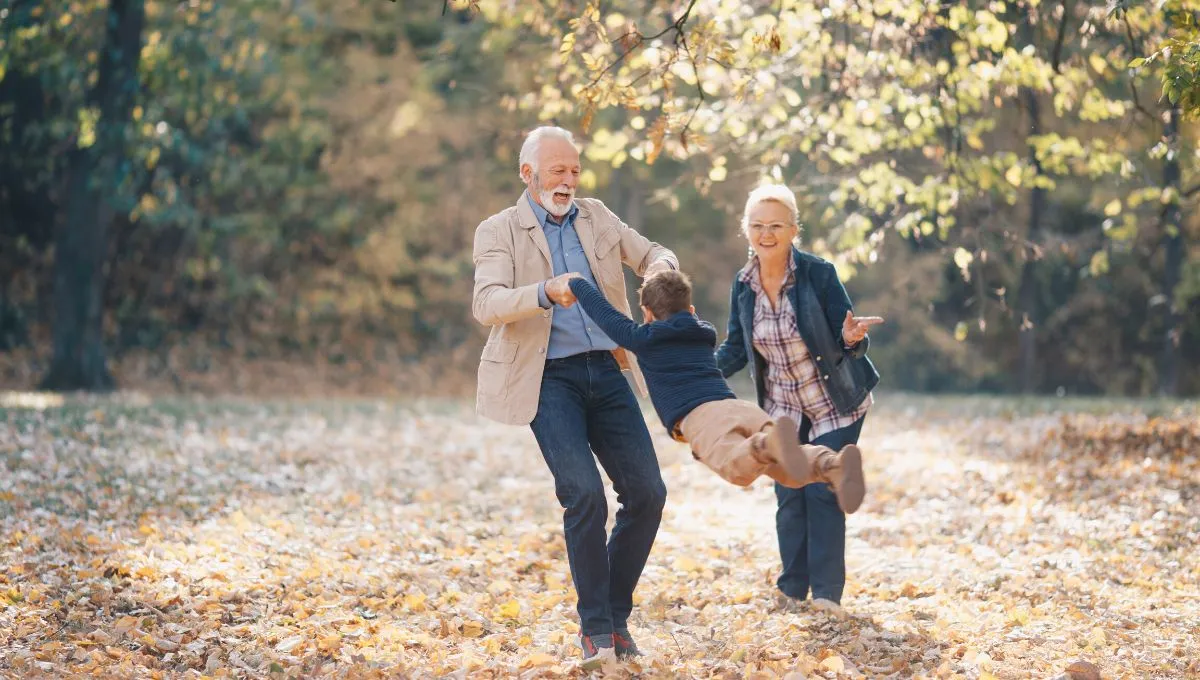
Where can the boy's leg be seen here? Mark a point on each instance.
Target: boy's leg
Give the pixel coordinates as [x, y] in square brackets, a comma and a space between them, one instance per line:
[797, 464]
[803, 464]
[730, 437]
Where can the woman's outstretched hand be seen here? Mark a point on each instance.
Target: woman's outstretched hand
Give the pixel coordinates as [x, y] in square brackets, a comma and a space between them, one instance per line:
[855, 328]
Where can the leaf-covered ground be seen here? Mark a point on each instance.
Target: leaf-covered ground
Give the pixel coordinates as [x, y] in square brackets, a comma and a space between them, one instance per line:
[355, 539]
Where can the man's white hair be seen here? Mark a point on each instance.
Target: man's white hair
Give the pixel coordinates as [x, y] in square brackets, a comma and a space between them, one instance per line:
[770, 192]
[533, 144]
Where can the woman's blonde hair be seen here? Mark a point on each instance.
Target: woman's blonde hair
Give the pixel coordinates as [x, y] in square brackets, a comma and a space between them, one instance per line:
[770, 192]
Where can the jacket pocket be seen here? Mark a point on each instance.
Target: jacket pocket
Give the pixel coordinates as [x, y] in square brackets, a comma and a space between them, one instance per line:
[608, 261]
[606, 243]
[847, 385]
[495, 365]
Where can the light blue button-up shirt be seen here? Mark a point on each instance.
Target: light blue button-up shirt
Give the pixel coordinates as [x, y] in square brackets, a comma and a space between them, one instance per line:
[571, 330]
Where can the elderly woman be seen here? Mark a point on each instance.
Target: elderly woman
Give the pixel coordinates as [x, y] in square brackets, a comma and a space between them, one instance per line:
[790, 313]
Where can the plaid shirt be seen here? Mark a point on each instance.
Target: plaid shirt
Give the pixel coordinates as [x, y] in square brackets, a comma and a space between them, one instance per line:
[792, 379]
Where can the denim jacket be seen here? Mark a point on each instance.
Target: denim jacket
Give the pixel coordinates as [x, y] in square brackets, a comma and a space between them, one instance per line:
[821, 303]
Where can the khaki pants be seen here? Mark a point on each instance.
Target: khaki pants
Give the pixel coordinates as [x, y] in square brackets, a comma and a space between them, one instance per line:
[730, 436]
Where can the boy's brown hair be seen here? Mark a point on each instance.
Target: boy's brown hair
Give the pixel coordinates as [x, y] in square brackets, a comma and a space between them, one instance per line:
[666, 293]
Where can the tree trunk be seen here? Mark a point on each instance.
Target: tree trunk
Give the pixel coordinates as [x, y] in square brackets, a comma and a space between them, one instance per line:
[94, 177]
[1027, 363]
[1027, 298]
[1173, 248]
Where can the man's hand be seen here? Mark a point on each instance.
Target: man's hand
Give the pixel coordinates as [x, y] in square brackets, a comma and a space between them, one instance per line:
[855, 328]
[659, 265]
[559, 290]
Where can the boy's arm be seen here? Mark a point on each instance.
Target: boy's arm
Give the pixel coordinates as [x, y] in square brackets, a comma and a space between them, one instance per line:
[616, 325]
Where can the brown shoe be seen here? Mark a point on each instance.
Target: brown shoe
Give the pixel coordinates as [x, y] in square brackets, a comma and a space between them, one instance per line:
[843, 470]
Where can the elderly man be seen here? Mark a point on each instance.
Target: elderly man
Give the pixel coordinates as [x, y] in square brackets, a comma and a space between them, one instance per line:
[547, 365]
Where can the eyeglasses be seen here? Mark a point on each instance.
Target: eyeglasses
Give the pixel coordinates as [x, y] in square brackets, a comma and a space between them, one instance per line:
[773, 228]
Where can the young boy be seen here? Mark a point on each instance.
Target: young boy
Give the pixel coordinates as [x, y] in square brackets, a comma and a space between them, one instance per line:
[735, 438]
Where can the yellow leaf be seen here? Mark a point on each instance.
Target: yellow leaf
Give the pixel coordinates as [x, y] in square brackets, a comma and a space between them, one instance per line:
[125, 624]
[509, 610]
[499, 587]
[686, 564]
[834, 663]
[538, 659]
[1019, 616]
[470, 662]
[963, 258]
[614, 20]
[415, 601]
[588, 179]
[718, 173]
[1113, 208]
[1013, 175]
[330, 644]
[472, 628]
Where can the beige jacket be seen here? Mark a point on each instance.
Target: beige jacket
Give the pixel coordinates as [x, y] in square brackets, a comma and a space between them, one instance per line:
[512, 257]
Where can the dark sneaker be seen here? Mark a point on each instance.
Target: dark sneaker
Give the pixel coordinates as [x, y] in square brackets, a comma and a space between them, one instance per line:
[625, 646]
[597, 649]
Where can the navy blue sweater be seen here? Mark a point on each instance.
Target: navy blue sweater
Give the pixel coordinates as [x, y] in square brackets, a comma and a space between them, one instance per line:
[676, 355]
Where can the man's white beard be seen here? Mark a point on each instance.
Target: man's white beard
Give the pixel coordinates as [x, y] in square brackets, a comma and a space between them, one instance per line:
[556, 209]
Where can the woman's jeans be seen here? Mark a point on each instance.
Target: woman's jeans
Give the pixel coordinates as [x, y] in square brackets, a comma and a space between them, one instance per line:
[812, 529]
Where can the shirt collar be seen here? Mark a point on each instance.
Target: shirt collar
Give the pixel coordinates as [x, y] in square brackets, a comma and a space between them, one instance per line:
[749, 274]
[543, 216]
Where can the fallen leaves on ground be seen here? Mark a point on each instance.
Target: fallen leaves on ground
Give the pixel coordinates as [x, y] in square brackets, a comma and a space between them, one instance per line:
[195, 538]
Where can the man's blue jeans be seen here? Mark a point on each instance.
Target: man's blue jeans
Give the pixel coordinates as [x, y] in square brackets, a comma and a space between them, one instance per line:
[812, 529]
[586, 407]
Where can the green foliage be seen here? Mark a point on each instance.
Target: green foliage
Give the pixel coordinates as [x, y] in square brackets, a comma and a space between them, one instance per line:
[308, 176]
[1176, 58]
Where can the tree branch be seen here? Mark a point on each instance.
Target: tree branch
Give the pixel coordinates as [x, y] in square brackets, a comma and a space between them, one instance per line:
[1056, 60]
[640, 40]
[699, 88]
[1136, 50]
